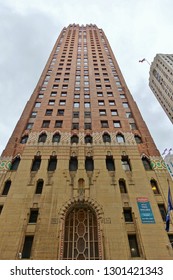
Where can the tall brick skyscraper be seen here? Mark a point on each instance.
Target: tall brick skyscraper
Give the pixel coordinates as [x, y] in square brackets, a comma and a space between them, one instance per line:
[81, 177]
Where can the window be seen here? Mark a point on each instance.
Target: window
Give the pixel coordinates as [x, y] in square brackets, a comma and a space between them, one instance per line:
[162, 211]
[129, 115]
[125, 163]
[52, 163]
[53, 93]
[63, 94]
[29, 125]
[138, 139]
[87, 104]
[146, 163]
[154, 186]
[102, 112]
[104, 124]
[122, 96]
[56, 138]
[87, 114]
[87, 125]
[62, 102]
[74, 139]
[75, 114]
[26, 252]
[1, 207]
[49, 112]
[6, 187]
[111, 102]
[77, 96]
[128, 215]
[125, 105]
[88, 139]
[101, 102]
[89, 164]
[45, 124]
[109, 93]
[76, 104]
[42, 138]
[133, 126]
[75, 125]
[24, 139]
[36, 163]
[58, 124]
[110, 163]
[73, 164]
[60, 112]
[39, 186]
[51, 102]
[116, 124]
[37, 104]
[106, 138]
[33, 216]
[15, 163]
[33, 114]
[86, 96]
[120, 138]
[78, 244]
[99, 94]
[41, 95]
[114, 112]
[122, 186]
[170, 236]
[134, 250]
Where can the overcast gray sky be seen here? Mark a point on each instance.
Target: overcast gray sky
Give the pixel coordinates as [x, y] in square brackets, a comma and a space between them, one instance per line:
[136, 29]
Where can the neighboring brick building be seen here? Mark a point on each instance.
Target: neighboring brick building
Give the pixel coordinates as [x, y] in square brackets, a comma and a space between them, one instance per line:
[81, 177]
[161, 82]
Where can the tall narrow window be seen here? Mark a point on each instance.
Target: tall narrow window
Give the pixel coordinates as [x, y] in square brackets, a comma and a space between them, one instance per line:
[52, 163]
[125, 163]
[1, 207]
[6, 187]
[36, 163]
[146, 163]
[15, 163]
[81, 234]
[26, 252]
[154, 186]
[122, 186]
[162, 211]
[73, 164]
[33, 216]
[89, 164]
[128, 215]
[110, 165]
[39, 186]
[134, 250]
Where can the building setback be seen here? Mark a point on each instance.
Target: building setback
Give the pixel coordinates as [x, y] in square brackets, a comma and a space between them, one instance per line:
[161, 82]
[81, 177]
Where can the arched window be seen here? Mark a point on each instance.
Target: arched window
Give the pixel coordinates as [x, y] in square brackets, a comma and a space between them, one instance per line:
[39, 186]
[88, 139]
[120, 138]
[138, 139]
[122, 186]
[146, 163]
[6, 187]
[42, 138]
[106, 138]
[15, 163]
[154, 186]
[36, 163]
[74, 139]
[24, 139]
[56, 138]
[73, 164]
[81, 234]
[52, 163]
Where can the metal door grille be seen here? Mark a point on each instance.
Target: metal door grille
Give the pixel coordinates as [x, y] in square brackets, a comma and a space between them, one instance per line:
[81, 235]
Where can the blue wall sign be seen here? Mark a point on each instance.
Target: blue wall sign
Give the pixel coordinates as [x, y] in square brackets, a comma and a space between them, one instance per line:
[145, 210]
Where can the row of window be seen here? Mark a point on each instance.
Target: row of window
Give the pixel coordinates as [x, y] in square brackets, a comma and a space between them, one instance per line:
[89, 163]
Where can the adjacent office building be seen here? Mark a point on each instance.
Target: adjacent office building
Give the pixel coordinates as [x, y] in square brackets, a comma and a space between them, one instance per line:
[81, 177]
[161, 82]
